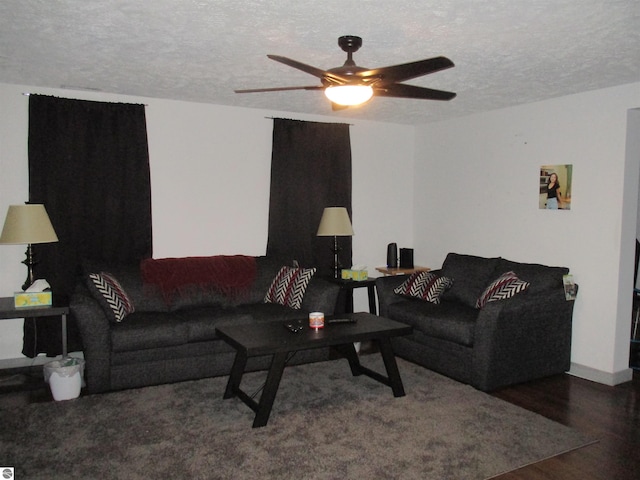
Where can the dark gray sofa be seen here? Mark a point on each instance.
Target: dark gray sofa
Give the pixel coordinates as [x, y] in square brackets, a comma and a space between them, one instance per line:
[509, 341]
[162, 343]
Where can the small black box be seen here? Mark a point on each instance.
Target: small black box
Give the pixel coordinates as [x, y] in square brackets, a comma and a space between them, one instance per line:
[406, 258]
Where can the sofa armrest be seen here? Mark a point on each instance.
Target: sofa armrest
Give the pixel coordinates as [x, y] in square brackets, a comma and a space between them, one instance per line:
[95, 332]
[321, 296]
[522, 338]
[384, 290]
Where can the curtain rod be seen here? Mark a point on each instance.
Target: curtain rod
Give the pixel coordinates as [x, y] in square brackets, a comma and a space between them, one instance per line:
[27, 94]
[298, 120]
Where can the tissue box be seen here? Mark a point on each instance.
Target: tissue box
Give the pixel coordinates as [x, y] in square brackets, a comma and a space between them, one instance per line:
[356, 275]
[32, 299]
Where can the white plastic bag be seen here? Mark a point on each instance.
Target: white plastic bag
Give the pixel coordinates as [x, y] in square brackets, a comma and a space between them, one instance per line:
[65, 377]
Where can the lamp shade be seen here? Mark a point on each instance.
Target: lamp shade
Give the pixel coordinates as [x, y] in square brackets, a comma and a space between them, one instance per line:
[335, 222]
[27, 224]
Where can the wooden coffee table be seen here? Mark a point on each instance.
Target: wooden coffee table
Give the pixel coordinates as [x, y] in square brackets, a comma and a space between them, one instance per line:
[272, 338]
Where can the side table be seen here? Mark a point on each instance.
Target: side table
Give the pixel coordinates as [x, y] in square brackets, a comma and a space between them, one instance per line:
[345, 297]
[401, 271]
[8, 310]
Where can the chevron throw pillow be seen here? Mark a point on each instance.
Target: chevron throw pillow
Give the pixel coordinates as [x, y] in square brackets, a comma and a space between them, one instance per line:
[289, 286]
[424, 286]
[111, 296]
[505, 286]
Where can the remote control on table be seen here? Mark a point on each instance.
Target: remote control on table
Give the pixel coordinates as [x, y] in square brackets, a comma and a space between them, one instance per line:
[342, 320]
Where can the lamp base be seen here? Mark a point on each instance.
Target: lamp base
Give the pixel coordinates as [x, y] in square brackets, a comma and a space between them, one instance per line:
[337, 268]
[29, 262]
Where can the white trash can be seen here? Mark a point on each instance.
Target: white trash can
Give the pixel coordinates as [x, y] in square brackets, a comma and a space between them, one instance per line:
[65, 376]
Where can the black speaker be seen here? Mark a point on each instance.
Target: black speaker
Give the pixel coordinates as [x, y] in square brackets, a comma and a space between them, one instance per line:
[406, 258]
[392, 255]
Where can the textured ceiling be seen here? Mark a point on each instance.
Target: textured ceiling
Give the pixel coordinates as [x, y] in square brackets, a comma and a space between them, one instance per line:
[507, 52]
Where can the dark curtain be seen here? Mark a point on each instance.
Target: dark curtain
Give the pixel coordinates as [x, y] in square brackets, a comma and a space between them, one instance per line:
[89, 166]
[310, 170]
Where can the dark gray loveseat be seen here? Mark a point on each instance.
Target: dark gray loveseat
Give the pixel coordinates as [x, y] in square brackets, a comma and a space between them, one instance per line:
[162, 342]
[508, 341]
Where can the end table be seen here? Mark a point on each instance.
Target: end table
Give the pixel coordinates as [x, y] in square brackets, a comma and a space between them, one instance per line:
[345, 297]
[401, 271]
[61, 308]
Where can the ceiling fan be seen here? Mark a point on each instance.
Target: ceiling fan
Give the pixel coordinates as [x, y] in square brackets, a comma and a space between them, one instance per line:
[351, 85]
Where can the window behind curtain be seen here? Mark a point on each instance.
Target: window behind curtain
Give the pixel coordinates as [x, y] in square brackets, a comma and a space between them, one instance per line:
[89, 165]
[310, 170]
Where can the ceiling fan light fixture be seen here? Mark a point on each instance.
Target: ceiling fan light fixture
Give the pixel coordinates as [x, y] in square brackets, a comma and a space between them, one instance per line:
[349, 95]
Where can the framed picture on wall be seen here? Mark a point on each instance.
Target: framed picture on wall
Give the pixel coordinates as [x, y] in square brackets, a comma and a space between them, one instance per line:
[555, 187]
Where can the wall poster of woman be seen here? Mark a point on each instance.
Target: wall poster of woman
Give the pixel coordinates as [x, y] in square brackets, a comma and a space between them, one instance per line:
[555, 187]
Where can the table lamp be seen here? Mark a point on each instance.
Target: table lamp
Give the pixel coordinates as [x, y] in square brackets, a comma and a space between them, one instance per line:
[26, 225]
[335, 223]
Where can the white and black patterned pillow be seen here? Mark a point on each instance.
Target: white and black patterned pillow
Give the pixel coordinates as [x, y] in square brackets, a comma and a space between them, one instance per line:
[505, 286]
[289, 286]
[110, 295]
[424, 286]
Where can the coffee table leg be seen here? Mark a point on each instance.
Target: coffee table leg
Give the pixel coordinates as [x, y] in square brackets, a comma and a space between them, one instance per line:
[348, 351]
[270, 389]
[389, 358]
[235, 377]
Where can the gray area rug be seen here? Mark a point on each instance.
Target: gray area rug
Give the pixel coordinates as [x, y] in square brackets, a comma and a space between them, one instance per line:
[325, 424]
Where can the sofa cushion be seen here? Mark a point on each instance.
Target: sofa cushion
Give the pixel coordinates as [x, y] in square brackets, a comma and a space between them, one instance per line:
[268, 312]
[148, 330]
[426, 286]
[448, 321]
[289, 285]
[193, 296]
[505, 286]
[540, 277]
[110, 295]
[146, 298]
[470, 275]
[321, 296]
[202, 322]
[144, 330]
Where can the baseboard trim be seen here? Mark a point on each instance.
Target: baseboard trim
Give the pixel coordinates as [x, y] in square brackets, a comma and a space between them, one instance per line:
[599, 376]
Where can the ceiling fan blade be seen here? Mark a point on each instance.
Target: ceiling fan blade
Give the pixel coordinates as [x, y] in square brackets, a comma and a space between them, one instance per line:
[278, 89]
[316, 72]
[407, 71]
[401, 90]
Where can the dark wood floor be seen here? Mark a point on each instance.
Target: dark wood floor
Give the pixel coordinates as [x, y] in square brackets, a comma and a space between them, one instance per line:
[610, 414]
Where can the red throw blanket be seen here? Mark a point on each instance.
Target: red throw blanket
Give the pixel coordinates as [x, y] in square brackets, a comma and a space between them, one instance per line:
[230, 275]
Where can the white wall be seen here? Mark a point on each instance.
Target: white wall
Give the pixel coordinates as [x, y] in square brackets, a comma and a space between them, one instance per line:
[477, 192]
[210, 183]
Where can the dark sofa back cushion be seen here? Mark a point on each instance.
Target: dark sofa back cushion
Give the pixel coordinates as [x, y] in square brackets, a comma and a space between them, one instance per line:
[145, 298]
[470, 275]
[193, 296]
[540, 277]
[268, 268]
